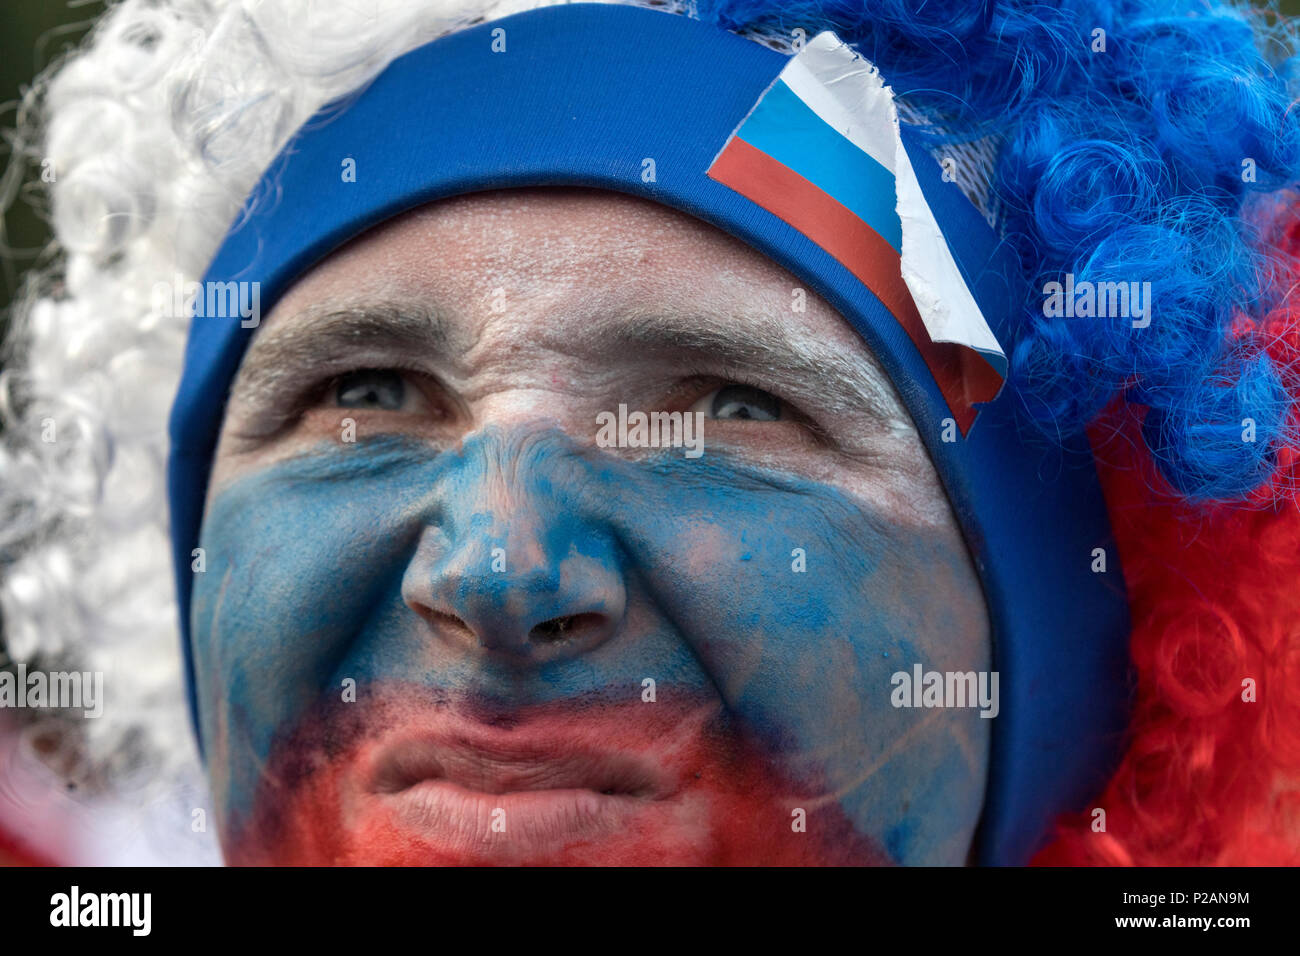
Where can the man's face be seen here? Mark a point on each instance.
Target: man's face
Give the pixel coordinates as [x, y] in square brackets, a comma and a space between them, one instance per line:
[441, 622]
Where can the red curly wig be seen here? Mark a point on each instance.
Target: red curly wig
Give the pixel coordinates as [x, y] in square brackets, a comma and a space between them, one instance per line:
[1211, 775]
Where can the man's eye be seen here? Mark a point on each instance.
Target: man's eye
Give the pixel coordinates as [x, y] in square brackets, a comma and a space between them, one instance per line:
[378, 389]
[741, 402]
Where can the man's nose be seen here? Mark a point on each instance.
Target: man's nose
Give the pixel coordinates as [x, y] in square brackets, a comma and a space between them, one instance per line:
[508, 566]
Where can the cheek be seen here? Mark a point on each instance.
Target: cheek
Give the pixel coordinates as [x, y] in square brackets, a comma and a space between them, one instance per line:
[299, 558]
[801, 604]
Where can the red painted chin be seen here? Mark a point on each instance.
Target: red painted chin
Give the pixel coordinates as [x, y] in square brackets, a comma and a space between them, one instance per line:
[600, 784]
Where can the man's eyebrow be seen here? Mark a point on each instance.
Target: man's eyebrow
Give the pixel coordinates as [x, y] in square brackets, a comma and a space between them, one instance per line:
[325, 331]
[332, 332]
[843, 382]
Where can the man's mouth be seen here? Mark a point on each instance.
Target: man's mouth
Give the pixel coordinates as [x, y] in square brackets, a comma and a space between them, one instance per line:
[573, 782]
[520, 792]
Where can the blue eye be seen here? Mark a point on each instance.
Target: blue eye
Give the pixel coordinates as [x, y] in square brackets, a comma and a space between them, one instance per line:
[381, 389]
[745, 402]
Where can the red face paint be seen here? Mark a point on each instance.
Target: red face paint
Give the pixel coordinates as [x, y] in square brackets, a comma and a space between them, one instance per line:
[395, 782]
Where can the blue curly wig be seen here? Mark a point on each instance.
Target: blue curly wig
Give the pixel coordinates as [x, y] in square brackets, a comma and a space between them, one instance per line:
[1133, 135]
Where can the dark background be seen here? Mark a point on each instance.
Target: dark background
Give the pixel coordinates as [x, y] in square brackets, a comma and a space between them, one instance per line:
[33, 34]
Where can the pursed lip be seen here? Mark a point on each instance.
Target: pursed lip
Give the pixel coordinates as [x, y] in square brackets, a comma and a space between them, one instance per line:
[509, 766]
[526, 790]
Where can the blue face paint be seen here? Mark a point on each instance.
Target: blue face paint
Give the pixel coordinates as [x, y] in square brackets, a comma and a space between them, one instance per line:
[423, 575]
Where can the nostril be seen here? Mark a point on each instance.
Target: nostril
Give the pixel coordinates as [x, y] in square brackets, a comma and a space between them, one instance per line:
[567, 628]
[448, 623]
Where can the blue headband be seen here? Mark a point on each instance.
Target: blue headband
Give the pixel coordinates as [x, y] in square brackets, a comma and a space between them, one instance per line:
[584, 95]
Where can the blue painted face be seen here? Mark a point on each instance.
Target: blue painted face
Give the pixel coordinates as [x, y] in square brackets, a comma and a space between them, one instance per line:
[511, 645]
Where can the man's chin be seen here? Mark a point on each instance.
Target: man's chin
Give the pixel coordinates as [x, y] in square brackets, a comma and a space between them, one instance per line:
[600, 784]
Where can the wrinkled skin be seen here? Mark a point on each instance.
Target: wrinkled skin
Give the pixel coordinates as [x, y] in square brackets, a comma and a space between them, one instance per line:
[464, 633]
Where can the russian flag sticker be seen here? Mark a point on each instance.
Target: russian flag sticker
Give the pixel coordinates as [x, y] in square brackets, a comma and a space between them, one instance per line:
[821, 150]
